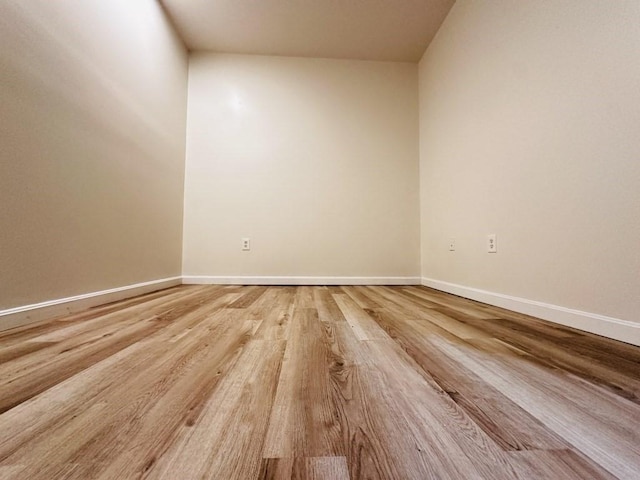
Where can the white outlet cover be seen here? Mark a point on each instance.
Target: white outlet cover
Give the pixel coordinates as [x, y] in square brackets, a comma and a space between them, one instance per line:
[492, 243]
[452, 244]
[246, 244]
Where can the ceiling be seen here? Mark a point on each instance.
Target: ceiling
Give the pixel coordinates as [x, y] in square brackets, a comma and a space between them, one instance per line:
[390, 30]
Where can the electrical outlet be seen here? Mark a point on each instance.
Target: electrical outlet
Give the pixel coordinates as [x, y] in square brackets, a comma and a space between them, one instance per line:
[452, 244]
[246, 244]
[492, 243]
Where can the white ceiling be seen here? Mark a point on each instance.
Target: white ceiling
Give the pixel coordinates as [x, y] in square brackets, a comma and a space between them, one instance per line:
[392, 30]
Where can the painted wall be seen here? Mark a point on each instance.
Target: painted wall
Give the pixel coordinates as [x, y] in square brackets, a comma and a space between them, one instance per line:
[530, 129]
[92, 122]
[315, 160]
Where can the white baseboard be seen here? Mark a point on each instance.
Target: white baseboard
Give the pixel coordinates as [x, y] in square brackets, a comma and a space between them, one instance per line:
[204, 279]
[615, 328]
[14, 317]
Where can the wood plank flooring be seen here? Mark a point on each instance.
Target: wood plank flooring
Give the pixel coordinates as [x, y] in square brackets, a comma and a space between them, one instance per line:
[231, 382]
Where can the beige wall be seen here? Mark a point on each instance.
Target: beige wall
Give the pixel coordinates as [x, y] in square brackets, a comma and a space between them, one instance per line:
[92, 127]
[530, 129]
[315, 160]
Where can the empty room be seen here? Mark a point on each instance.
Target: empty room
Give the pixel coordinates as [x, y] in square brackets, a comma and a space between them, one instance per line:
[319, 239]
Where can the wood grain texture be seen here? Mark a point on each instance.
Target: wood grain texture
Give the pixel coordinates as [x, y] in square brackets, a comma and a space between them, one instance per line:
[231, 382]
[322, 468]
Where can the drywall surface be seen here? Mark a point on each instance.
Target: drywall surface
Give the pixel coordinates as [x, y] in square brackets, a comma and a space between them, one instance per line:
[92, 125]
[314, 160]
[530, 129]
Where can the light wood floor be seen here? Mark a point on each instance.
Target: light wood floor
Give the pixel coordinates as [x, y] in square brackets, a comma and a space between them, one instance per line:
[228, 382]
